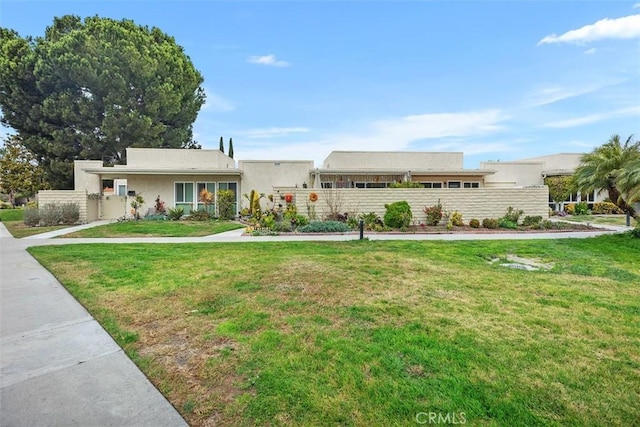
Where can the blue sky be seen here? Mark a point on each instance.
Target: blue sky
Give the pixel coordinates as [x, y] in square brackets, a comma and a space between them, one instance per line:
[497, 80]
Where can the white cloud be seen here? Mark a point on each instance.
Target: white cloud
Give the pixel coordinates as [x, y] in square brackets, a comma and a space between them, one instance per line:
[590, 51]
[217, 103]
[636, 6]
[627, 27]
[270, 60]
[273, 132]
[395, 134]
[548, 94]
[593, 118]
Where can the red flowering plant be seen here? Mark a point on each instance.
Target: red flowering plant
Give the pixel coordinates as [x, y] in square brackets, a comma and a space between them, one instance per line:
[434, 213]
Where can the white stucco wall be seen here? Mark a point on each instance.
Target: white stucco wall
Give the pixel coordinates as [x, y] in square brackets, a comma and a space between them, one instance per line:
[559, 161]
[83, 181]
[510, 174]
[178, 158]
[393, 160]
[264, 175]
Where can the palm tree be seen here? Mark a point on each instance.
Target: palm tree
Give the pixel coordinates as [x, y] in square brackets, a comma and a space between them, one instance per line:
[605, 165]
[629, 181]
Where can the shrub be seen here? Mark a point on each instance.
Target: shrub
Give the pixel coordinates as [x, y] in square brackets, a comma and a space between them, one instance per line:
[570, 209]
[299, 221]
[635, 232]
[490, 223]
[406, 184]
[505, 223]
[50, 215]
[159, 206]
[434, 213]
[226, 201]
[371, 220]
[474, 223]
[155, 217]
[136, 204]
[456, 219]
[200, 215]
[282, 227]
[325, 227]
[605, 208]
[31, 217]
[531, 220]
[398, 214]
[513, 215]
[70, 213]
[581, 208]
[175, 213]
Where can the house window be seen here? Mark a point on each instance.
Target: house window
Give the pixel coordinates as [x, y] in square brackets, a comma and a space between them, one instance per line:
[453, 184]
[590, 198]
[471, 185]
[122, 190]
[211, 187]
[327, 185]
[376, 185]
[233, 186]
[184, 196]
[432, 184]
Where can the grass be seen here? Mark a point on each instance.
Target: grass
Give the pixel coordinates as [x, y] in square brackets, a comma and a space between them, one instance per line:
[373, 333]
[619, 220]
[11, 215]
[157, 229]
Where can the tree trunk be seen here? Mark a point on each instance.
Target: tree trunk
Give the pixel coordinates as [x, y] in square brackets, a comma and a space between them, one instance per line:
[615, 197]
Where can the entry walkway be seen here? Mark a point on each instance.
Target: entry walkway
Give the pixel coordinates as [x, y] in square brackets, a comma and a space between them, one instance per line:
[58, 367]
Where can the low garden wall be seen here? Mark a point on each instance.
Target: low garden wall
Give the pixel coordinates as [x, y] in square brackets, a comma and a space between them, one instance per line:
[88, 208]
[472, 203]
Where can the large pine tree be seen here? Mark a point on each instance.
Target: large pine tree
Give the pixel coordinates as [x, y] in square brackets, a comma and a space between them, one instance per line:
[89, 89]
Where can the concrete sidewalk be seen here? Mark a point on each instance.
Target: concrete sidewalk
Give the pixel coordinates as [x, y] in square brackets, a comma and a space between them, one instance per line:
[58, 366]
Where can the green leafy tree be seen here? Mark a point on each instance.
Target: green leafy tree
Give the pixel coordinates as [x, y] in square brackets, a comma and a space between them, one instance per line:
[231, 147]
[603, 168]
[560, 187]
[221, 145]
[19, 172]
[89, 89]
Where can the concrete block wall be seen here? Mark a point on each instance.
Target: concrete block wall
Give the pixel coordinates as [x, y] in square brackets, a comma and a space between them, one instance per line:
[472, 203]
[79, 197]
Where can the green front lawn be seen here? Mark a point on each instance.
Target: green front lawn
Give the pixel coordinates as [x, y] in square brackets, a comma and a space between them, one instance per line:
[619, 220]
[144, 228]
[11, 215]
[373, 333]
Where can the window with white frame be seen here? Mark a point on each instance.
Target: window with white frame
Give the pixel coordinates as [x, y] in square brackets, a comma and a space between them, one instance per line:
[210, 187]
[471, 184]
[184, 196]
[233, 186]
[454, 184]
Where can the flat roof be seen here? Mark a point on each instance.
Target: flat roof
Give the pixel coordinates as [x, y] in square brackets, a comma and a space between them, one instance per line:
[155, 171]
[404, 171]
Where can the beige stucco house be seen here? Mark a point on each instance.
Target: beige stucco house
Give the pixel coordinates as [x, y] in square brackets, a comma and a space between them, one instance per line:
[361, 179]
[533, 171]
